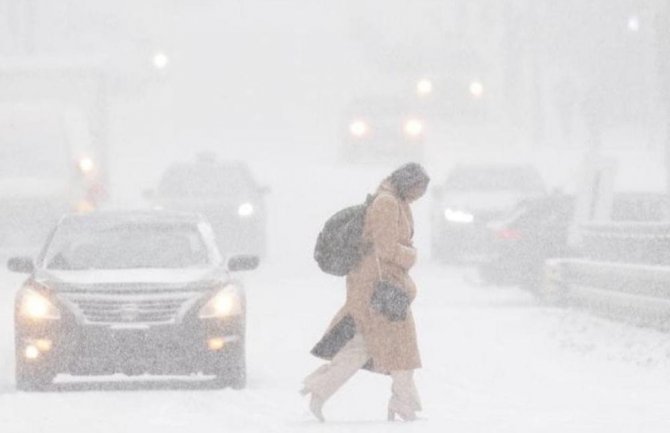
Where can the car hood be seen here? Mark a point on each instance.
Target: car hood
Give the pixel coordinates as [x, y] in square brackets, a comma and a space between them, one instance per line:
[482, 201]
[135, 278]
[206, 202]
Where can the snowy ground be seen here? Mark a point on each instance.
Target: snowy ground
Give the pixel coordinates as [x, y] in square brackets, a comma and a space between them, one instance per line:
[495, 360]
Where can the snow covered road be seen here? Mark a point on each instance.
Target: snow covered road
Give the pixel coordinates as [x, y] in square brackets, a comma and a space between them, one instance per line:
[494, 361]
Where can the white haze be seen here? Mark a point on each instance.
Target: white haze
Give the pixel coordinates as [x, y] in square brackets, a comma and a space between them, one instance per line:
[268, 82]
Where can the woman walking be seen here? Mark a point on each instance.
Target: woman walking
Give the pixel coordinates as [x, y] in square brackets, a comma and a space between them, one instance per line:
[362, 336]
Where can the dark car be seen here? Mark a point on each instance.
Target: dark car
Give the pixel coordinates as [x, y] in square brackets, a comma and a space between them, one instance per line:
[471, 197]
[535, 230]
[226, 193]
[133, 293]
[538, 229]
[377, 127]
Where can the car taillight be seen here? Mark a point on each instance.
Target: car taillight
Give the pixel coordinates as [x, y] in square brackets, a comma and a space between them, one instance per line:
[508, 234]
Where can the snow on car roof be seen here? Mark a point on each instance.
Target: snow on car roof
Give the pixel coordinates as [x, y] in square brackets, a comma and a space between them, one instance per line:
[134, 216]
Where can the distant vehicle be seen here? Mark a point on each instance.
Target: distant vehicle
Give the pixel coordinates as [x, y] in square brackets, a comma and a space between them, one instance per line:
[133, 293]
[381, 128]
[44, 173]
[53, 123]
[471, 197]
[537, 229]
[224, 192]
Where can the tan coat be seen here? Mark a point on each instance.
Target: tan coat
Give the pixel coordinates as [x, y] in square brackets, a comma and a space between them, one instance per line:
[389, 228]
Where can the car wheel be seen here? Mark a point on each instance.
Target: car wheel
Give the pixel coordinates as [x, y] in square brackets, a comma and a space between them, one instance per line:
[532, 278]
[31, 379]
[234, 370]
[489, 274]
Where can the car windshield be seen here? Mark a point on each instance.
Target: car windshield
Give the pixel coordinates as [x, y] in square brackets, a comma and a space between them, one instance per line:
[205, 180]
[126, 246]
[494, 179]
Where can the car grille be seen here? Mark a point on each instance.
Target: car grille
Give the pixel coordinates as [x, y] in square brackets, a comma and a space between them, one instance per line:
[130, 308]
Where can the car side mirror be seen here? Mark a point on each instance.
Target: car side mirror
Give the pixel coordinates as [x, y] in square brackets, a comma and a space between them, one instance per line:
[243, 263]
[22, 265]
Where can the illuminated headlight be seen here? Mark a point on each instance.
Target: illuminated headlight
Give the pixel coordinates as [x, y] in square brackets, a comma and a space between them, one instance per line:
[224, 304]
[85, 206]
[31, 352]
[246, 210]
[458, 216]
[424, 87]
[358, 128]
[86, 165]
[37, 307]
[414, 128]
[161, 60]
[476, 89]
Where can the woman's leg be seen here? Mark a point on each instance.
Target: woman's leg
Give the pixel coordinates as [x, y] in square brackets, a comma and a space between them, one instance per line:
[405, 400]
[328, 378]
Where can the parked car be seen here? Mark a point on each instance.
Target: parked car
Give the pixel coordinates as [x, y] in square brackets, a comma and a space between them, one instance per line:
[223, 191]
[471, 197]
[375, 128]
[130, 292]
[538, 229]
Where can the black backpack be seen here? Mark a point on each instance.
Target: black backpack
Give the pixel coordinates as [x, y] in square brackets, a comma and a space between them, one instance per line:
[339, 247]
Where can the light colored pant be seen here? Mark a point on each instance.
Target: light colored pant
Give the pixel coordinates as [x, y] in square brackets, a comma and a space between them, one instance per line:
[327, 379]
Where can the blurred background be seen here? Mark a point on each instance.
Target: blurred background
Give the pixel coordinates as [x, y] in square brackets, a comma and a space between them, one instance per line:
[545, 126]
[279, 82]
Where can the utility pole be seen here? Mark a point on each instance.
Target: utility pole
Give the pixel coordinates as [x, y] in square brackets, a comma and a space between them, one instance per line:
[536, 45]
[14, 24]
[663, 62]
[21, 24]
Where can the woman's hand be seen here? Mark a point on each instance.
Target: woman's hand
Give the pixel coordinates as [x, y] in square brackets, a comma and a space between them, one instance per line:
[406, 257]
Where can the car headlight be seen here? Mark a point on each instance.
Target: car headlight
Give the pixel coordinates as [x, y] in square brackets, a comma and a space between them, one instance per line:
[246, 210]
[414, 128]
[224, 304]
[424, 87]
[84, 206]
[86, 165]
[476, 89]
[359, 128]
[36, 306]
[458, 216]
